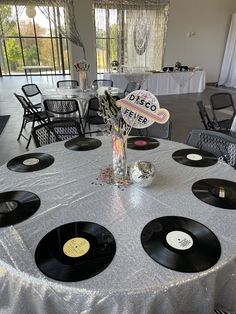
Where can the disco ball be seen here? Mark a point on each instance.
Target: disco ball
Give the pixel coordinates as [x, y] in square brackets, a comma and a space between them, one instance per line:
[178, 64]
[114, 63]
[142, 173]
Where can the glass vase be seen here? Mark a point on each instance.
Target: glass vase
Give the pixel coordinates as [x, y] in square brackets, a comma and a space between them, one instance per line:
[119, 158]
[83, 80]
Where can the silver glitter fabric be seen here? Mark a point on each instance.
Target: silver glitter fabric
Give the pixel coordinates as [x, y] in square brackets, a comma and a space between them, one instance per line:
[133, 282]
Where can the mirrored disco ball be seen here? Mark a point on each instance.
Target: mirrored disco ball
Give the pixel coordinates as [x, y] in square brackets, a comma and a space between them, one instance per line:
[142, 173]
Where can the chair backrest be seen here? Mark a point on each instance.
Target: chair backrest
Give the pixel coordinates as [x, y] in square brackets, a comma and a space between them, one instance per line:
[208, 124]
[28, 109]
[131, 86]
[220, 144]
[30, 90]
[221, 101]
[56, 131]
[98, 83]
[61, 106]
[155, 130]
[68, 84]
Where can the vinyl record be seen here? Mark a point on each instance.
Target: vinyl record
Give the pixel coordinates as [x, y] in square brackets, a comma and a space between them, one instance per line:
[16, 206]
[216, 192]
[142, 143]
[181, 244]
[30, 162]
[83, 143]
[75, 251]
[194, 158]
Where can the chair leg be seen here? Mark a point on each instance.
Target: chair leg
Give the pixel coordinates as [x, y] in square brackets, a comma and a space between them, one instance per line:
[21, 129]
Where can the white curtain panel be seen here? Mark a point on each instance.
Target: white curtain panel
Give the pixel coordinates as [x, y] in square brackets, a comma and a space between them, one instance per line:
[146, 30]
[228, 69]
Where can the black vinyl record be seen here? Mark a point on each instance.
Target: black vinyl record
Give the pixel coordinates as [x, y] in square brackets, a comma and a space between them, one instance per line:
[83, 143]
[194, 157]
[181, 244]
[75, 251]
[30, 162]
[216, 192]
[16, 206]
[142, 143]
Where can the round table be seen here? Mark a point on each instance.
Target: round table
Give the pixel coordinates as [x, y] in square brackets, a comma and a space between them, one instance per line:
[133, 283]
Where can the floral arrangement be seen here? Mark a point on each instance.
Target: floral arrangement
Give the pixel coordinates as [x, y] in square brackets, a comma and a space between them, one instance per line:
[82, 65]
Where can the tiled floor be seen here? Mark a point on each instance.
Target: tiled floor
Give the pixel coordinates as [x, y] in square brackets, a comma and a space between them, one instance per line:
[183, 110]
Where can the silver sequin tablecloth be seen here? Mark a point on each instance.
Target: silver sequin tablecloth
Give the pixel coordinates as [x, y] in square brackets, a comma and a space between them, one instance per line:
[133, 282]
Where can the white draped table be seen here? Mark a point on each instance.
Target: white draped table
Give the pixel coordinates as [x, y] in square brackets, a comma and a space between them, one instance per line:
[164, 83]
[133, 283]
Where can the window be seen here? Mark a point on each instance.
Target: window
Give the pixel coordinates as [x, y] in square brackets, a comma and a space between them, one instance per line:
[30, 41]
[133, 35]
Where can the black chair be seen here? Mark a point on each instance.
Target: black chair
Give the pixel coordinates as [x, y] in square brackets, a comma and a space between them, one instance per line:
[223, 146]
[207, 122]
[63, 109]
[67, 84]
[130, 87]
[32, 93]
[155, 130]
[108, 83]
[56, 131]
[30, 115]
[92, 116]
[219, 102]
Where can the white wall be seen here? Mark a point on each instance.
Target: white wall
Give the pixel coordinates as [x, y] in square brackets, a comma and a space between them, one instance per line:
[210, 20]
[84, 21]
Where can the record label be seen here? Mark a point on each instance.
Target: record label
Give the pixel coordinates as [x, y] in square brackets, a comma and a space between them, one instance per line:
[76, 247]
[194, 157]
[30, 162]
[82, 143]
[216, 192]
[179, 240]
[16, 206]
[180, 244]
[75, 251]
[142, 143]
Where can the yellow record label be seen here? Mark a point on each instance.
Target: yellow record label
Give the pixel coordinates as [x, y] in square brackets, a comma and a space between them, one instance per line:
[76, 247]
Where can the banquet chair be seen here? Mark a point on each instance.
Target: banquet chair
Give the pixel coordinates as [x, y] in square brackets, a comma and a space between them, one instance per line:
[67, 84]
[92, 116]
[98, 83]
[33, 94]
[130, 87]
[219, 102]
[30, 115]
[56, 131]
[222, 145]
[206, 121]
[63, 109]
[155, 130]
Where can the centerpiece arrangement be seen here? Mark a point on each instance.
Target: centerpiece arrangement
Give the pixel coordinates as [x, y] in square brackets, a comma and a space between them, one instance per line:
[139, 109]
[82, 68]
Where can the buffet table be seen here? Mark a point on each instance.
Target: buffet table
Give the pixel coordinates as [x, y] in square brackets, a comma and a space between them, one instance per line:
[133, 283]
[163, 83]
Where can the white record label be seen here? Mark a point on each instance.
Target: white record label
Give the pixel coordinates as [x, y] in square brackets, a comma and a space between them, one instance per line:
[194, 157]
[31, 161]
[179, 240]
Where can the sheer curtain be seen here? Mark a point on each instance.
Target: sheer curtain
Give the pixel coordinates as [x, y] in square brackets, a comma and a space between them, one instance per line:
[132, 32]
[228, 69]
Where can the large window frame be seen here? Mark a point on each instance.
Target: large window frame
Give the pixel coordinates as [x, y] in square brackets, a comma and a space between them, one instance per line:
[57, 41]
